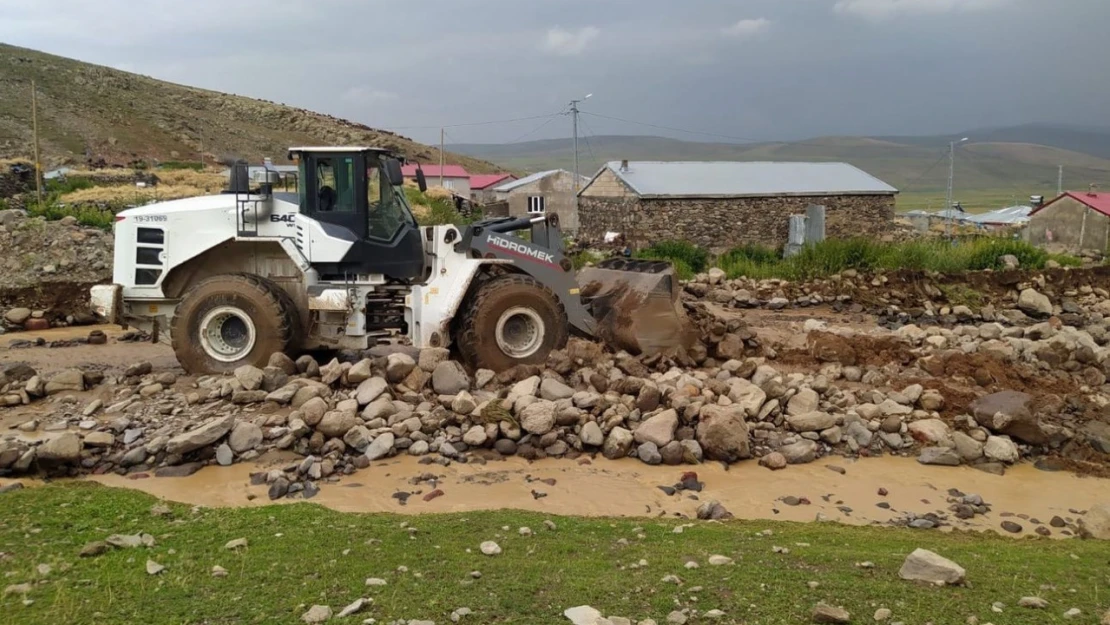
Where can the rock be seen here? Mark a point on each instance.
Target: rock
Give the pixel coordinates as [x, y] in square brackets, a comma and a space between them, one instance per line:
[554, 390]
[968, 448]
[237, 543]
[747, 395]
[931, 400]
[649, 453]
[490, 548]
[207, 434]
[618, 443]
[538, 417]
[591, 434]
[583, 615]
[336, 423]
[806, 401]
[719, 560]
[16, 316]
[463, 403]
[811, 421]
[381, 447]
[224, 455]
[371, 389]
[317, 614]
[722, 433]
[773, 461]
[713, 511]
[449, 378]
[282, 361]
[1035, 603]
[68, 380]
[889, 408]
[1096, 523]
[360, 372]
[278, 489]
[218, 571]
[245, 436]
[250, 377]
[658, 429]
[475, 436]
[398, 366]
[945, 456]
[926, 566]
[930, 431]
[331, 372]
[1002, 449]
[99, 439]
[354, 607]
[823, 613]
[153, 568]
[1010, 413]
[62, 449]
[1034, 304]
[883, 614]
[801, 452]
[375, 581]
[357, 438]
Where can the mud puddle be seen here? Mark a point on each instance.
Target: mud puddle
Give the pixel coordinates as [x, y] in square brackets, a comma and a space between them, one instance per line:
[113, 356]
[1025, 495]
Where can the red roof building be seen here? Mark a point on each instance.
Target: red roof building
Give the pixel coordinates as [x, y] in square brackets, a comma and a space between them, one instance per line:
[1074, 222]
[482, 182]
[432, 171]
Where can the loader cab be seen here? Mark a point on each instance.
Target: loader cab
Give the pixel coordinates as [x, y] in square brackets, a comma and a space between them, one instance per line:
[356, 196]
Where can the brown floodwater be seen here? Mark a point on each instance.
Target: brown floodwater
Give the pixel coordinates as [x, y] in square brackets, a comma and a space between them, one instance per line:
[630, 489]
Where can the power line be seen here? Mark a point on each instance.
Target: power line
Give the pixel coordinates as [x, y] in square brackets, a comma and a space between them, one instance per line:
[589, 147]
[672, 128]
[550, 118]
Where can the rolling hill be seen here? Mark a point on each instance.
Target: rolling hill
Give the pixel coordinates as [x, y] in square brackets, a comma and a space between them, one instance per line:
[989, 171]
[120, 116]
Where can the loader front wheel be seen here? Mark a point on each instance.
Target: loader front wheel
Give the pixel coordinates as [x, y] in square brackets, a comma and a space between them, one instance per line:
[225, 322]
[511, 320]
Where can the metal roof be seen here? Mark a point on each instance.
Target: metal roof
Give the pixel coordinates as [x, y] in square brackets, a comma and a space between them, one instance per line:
[746, 179]
[1009, 215]
[540, 175]
[1097, 201]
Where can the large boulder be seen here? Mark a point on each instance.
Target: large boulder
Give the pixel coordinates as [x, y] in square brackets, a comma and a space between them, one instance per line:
[250, 377]
[538, 417]
[806, 401]
[381, 447]
[1010, 413]
[398, 366]
[617, 444]
[336, 423]
[800, 452]
[659, 429]
[62, 449]
[591, 434]
[925, 566]
[723, 433]
[244, 437]
[449, 378]
[16, 316]
[66, 380]
[371, 388]
[747, 395]
[930, 431]
[1096, 523]
[1034, 304]
[207, 434]
[815, 421]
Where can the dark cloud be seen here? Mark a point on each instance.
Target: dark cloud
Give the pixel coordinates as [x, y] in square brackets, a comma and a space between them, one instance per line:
[757, 69]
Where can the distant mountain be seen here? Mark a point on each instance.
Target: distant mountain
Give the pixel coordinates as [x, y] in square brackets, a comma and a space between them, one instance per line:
[120, 116]
[996, 166]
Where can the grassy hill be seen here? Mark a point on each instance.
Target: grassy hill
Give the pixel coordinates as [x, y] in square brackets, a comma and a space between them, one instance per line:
[990, 172]
[120, 116]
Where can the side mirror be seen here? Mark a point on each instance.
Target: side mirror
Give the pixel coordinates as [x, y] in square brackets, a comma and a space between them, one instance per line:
[393, 172]
[421, 181]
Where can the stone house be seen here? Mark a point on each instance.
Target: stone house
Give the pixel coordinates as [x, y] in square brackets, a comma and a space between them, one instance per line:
[1075, 221]
[720, 205]
[543, 193]
[482, 187]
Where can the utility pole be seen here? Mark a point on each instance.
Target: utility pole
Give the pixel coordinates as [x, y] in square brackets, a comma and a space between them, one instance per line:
[35, 130]
[441, 135]
[1060, 182]
[574, 126]
[951, 181]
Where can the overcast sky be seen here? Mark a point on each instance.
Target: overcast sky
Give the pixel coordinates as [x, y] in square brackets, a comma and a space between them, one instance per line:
[752, 69]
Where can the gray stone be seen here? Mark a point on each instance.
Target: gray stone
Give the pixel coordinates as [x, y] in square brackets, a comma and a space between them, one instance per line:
[313, 411]
[618, 443]
[317, 614]
[475, 436]
[133, 457]
[449, 378]
[583, 615]
[64, 448]
[649, 453]
[224, 455]
[430, 358]
[357, 438]
[464, 403]
[16, 316]
[153, 568]
[658, 429]
[398, 366]
[774, 461]
[926, 566]
[930, 431]
[824, 613]
[1002, 449]
[245, 436]
[806, 401]
[68, 380]
[381, 447]
[811, 421]
[801, 452]
[968, 448]
[591, 434]
[212, 431]
[331, 372]
[554, 390]
[1096, 523]
[336, 423]
[360, 372]
[1010, 413]
[1034, 304]
[250, 377]
[538, 417]
[283, 395]
[99, 439]
[747, 395]
[945, 456]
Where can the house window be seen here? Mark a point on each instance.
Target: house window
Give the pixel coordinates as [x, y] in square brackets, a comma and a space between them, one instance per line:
[536, 205]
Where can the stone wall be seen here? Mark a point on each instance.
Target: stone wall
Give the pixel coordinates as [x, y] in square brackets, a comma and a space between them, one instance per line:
[1069, 225]
[720, 224]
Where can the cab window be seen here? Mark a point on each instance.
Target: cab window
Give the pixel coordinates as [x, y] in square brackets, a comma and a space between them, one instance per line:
[335, 185]
[387, 212]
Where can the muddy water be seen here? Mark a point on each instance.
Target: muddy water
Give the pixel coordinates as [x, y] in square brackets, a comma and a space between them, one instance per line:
[626, 488]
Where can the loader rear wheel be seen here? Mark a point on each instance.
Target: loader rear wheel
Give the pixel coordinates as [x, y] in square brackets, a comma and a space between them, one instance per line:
[225, 322]
[511, 320]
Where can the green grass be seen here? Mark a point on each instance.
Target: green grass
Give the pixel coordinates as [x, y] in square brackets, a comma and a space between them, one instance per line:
[296, 557]
[687, 258]
[65, 185]
[51, 210]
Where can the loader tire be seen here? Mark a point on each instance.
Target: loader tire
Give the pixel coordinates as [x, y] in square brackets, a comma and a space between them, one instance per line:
[511, 320]
[227, 321]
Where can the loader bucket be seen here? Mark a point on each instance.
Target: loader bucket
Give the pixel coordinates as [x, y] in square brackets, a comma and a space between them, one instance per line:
[635, 304]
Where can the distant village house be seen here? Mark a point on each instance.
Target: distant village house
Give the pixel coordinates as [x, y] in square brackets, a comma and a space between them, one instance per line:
[482, 186]
[543, 193]
[452, 177]
[1074, 222]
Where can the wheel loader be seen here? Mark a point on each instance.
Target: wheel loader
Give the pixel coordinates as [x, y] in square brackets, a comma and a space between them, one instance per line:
[232, 278]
